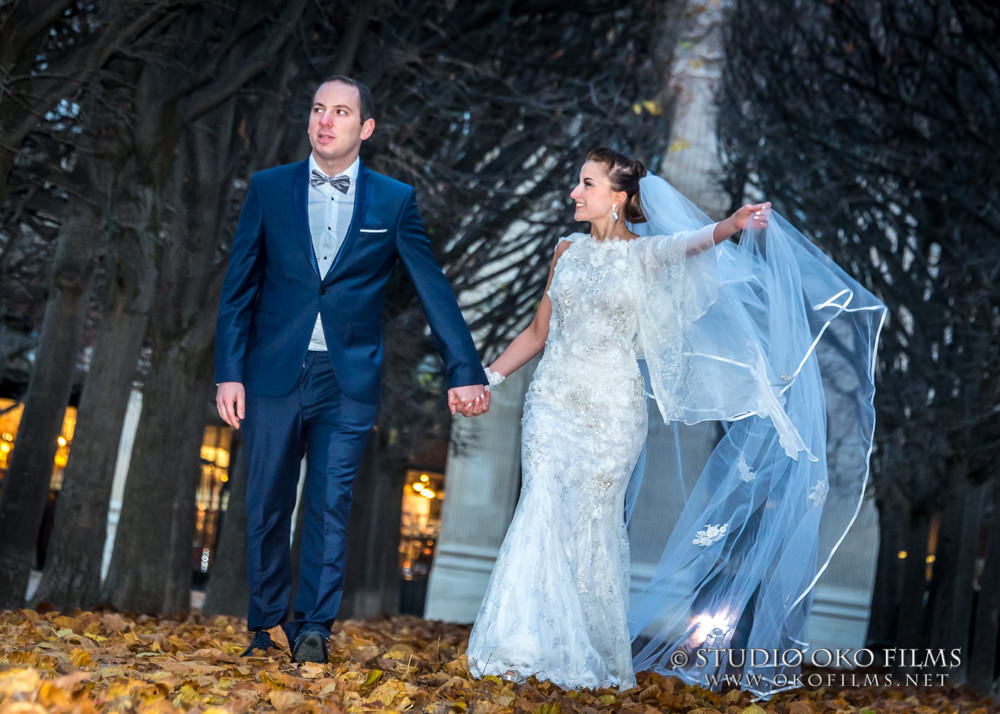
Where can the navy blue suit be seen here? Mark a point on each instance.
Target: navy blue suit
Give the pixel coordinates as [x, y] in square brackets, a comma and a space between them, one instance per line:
[320, 404]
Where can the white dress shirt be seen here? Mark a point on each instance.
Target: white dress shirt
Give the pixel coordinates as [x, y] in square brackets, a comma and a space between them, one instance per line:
[330, 214]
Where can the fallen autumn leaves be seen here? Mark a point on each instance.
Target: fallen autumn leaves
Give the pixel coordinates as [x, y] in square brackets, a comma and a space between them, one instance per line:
[94, 661]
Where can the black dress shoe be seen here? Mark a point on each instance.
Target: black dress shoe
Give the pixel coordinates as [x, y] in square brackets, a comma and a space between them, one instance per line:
[310, 646]
[261, 641]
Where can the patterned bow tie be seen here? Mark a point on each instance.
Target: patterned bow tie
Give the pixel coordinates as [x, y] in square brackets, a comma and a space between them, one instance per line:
[341, 183]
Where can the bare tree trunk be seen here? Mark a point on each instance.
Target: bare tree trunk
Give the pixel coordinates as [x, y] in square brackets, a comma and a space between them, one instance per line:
[951, 602]
[911, 616]
[982, 661]
[228, 592]
[26, 485]
[888, 574]
[152, 560]
[151, 564]
[72, 575]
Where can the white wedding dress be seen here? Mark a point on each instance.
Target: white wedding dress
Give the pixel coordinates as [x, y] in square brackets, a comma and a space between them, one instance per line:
[556, 604]
[767, 336]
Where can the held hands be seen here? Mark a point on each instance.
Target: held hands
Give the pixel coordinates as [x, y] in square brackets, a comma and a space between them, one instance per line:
[230, 400]
[471, 400]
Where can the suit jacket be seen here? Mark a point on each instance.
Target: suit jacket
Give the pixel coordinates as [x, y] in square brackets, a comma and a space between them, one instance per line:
[273, 289]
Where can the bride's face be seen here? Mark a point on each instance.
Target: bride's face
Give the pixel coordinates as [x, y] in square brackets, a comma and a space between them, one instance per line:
[593, 195]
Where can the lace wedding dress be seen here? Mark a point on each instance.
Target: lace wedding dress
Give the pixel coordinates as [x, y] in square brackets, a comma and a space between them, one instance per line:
[556, 604]
[767, 336]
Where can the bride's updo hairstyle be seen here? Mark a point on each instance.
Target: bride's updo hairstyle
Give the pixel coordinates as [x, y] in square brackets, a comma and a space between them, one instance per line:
[624, 173]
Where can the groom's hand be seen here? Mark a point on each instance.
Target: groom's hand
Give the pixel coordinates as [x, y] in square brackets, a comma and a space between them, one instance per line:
[471, 400]
[230, 400]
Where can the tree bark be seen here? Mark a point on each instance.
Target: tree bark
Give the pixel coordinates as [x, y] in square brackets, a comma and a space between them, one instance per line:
[227, 592]
[26, 485]
[152, 561]
[72, 575]
[151, 565]
[951, 602]
[911, 619]
[888, 575]
[981, 663]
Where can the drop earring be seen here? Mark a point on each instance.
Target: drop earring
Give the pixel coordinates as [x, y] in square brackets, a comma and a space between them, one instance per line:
[614, 213]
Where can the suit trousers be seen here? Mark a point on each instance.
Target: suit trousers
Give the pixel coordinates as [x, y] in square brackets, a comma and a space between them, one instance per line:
[316, 419]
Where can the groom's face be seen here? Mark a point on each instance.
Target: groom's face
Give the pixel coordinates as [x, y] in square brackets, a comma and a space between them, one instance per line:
[335, 127]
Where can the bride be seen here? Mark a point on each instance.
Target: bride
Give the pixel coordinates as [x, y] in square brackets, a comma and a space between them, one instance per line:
[728, 332]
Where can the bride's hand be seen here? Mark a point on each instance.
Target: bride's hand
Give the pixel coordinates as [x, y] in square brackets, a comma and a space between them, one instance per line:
[752, 215]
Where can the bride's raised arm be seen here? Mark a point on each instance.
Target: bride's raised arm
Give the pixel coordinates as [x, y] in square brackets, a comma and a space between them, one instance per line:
[709, 236]
[531, 339]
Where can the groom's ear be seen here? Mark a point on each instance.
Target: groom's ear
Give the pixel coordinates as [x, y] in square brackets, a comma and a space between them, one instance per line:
[367, 129]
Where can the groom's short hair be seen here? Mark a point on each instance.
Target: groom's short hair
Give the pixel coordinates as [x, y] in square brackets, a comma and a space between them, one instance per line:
[367, 103]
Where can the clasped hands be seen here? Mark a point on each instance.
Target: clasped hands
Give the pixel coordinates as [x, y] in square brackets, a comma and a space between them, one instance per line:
[471, 400]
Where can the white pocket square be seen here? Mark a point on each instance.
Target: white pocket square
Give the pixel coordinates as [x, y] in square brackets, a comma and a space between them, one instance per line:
[374, 230]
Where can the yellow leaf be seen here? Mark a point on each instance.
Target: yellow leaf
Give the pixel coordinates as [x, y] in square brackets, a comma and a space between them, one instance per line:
[80, 658]
[400, 652]
[68, 623]
[753, 709]
[23, 708]
[652, 107]
[187, 697]
[52, 696]
[386, 692]
[679, 145]
[608, 699]
[18, 681]
[28, 658]
[271, 680]
[373, 677]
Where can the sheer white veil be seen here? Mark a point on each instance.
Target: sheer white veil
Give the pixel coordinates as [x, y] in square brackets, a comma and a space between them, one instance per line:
[770, 338]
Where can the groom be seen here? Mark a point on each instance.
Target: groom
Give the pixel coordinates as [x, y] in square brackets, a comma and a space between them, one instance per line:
[299, 352]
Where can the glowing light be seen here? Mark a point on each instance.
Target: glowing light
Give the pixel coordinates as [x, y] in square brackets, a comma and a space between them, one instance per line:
[5, 447]
[930, 559]
[710, 628]
[901, 555]
[425, 478]
[62, 441]
[428, 493]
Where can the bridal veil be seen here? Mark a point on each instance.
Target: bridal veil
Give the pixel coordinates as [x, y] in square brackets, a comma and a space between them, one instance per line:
[772, 340]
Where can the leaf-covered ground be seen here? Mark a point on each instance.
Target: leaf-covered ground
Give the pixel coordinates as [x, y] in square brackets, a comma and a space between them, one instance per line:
[107, 662]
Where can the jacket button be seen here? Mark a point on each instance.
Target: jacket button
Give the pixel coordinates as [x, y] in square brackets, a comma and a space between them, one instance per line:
[322, 290]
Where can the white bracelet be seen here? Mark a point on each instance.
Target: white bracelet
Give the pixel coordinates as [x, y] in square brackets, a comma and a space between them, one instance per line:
[493, 378]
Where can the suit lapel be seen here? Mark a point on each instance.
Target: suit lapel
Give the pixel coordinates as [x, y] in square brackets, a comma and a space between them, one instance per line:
[357, 218]
[300, 208]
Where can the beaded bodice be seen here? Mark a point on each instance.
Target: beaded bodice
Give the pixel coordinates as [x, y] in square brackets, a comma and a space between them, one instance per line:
[593, 307]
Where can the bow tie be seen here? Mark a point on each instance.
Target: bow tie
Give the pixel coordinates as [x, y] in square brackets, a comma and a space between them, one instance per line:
[341, 183]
